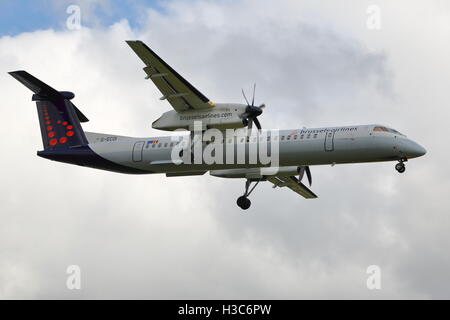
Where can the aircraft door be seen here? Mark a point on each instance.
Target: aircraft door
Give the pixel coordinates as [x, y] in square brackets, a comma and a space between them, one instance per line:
[329, 140]
[138, 149]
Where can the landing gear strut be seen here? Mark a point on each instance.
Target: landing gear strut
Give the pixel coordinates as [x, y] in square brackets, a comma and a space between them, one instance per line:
[243, 201]
[400, 167]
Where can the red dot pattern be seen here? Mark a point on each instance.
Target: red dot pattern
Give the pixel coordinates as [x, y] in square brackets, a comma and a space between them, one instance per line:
[54, 140]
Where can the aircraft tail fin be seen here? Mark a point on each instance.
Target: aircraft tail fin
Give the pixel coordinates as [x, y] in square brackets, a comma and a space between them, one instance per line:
[60, 120]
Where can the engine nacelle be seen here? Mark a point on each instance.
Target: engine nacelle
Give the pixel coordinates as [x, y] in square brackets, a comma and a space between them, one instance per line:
[222, 116]
[255, 173]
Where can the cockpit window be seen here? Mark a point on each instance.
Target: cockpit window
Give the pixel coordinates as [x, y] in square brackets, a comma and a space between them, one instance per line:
[379, 128]
[393, 131]
[385, 129]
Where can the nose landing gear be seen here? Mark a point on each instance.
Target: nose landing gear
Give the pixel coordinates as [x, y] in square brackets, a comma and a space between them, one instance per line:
[400, 167]
[243, 201]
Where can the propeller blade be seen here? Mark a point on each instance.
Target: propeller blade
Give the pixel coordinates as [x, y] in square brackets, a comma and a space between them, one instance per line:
[308, 175]
[258, 125]
[253, 99]
[251, 112]
[301, 173]
[243, 93]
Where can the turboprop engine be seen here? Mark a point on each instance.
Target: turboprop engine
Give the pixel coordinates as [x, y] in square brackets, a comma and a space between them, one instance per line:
[255, 173]
[260, 173]
[222, 116]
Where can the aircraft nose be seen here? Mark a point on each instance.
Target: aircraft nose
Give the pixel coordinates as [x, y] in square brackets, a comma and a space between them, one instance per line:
[412, 149]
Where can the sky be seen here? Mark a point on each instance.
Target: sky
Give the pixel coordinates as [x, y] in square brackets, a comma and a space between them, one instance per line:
[26, 16]
[316, 64]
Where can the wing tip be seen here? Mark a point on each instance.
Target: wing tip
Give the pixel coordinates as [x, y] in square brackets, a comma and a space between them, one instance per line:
[17, 72]
[132, 42]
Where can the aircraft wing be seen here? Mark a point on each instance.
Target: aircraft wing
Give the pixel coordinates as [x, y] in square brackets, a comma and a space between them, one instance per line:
[293, 184]
[175, 89]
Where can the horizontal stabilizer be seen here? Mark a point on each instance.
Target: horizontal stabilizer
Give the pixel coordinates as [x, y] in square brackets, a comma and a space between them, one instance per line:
[44, 91]
[34, 84]
[80, 114]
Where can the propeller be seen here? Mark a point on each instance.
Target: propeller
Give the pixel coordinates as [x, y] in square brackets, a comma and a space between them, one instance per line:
[301, 172]
[252, 112]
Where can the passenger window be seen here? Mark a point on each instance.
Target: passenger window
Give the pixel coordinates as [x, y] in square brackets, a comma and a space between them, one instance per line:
[308, 136]
[302, 136]
[295, 137]
[153, 145]
[288, 138]
[171, 144]
[282, 137]
[315, 135]
[165, 145]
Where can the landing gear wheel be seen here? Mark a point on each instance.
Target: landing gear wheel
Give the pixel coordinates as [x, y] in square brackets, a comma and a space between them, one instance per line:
[400, 167]
[243, 202]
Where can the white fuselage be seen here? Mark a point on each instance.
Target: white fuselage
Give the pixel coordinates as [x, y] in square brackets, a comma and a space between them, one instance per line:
[297, 147]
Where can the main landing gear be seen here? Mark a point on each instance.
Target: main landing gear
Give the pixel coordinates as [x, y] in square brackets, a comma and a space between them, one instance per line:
[243, 201]
[400, 166]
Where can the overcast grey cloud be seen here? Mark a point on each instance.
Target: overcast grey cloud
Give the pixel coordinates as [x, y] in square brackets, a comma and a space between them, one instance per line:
[156, 237]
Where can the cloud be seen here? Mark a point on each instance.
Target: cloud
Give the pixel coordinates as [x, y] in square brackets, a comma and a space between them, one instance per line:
[158, 237]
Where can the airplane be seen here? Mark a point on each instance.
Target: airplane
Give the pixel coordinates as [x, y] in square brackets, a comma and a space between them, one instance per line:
[64, 139]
